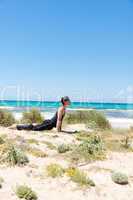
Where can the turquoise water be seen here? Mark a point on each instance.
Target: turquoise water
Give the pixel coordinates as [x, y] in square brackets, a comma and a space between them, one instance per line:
[74, 105]
[123, 110]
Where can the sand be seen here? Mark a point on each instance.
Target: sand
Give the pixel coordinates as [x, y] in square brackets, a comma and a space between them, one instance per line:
[33, 174]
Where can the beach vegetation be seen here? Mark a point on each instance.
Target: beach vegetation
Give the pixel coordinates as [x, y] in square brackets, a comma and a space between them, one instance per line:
[79, 177]
[63, 148]
[25, 192]
[13, 155]
[92, 118]
[54, 170]
[120, 178]
[6, 118]
[32, 116]
[36, 152]
[88, 150]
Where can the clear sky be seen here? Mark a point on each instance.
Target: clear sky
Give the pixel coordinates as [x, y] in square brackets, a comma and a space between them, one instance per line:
[81, 48]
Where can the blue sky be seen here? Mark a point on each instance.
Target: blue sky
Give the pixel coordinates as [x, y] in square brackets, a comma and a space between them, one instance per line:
[81, 48]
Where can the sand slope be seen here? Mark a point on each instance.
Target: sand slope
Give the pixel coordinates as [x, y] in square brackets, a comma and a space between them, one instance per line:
[63, 188]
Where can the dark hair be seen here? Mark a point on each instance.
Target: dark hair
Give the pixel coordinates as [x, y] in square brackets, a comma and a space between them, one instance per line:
[65, 99]
[62, 100]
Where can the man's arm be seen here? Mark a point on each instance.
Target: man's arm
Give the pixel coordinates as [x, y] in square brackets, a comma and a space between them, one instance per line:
[59, 120]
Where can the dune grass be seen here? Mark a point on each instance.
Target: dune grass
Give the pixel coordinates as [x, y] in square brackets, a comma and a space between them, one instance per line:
[12, 155]
[32, 116]
[89, 149]
[92, 118]
[79, 177]
[6, 118]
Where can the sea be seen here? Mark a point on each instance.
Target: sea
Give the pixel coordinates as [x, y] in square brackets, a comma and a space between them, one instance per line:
[48, 108]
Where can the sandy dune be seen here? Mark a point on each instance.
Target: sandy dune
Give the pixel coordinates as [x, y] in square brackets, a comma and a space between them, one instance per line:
[63, 188]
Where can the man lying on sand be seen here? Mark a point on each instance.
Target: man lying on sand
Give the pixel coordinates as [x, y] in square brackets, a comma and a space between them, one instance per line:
[49, 124]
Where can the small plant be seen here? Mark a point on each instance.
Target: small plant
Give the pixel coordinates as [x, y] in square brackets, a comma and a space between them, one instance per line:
[24, 192]
[63, 148]
[13, 155]
[6, 118]
[54, 170]
[120, 178]
[79, 177]
[33, 116]
[36, 152]
[90, 149]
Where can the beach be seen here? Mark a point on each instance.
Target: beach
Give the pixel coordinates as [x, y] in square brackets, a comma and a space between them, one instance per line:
[120, 115]
[33, 174]
[43, 151]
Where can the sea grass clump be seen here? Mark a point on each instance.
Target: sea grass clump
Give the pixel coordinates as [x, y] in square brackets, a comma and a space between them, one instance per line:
[6, 118]
[32, 116]
[90, 149]
[12, 155]
[92, 118]
[79, 177]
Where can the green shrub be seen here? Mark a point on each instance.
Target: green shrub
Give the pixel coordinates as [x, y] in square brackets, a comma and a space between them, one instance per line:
[120, 178]
[54, 170]
[88, 150]
[79, 177]
[33, 116]
[92, 118]
[63, 148]
[6, 118]
[24, 192]
[13, 155]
